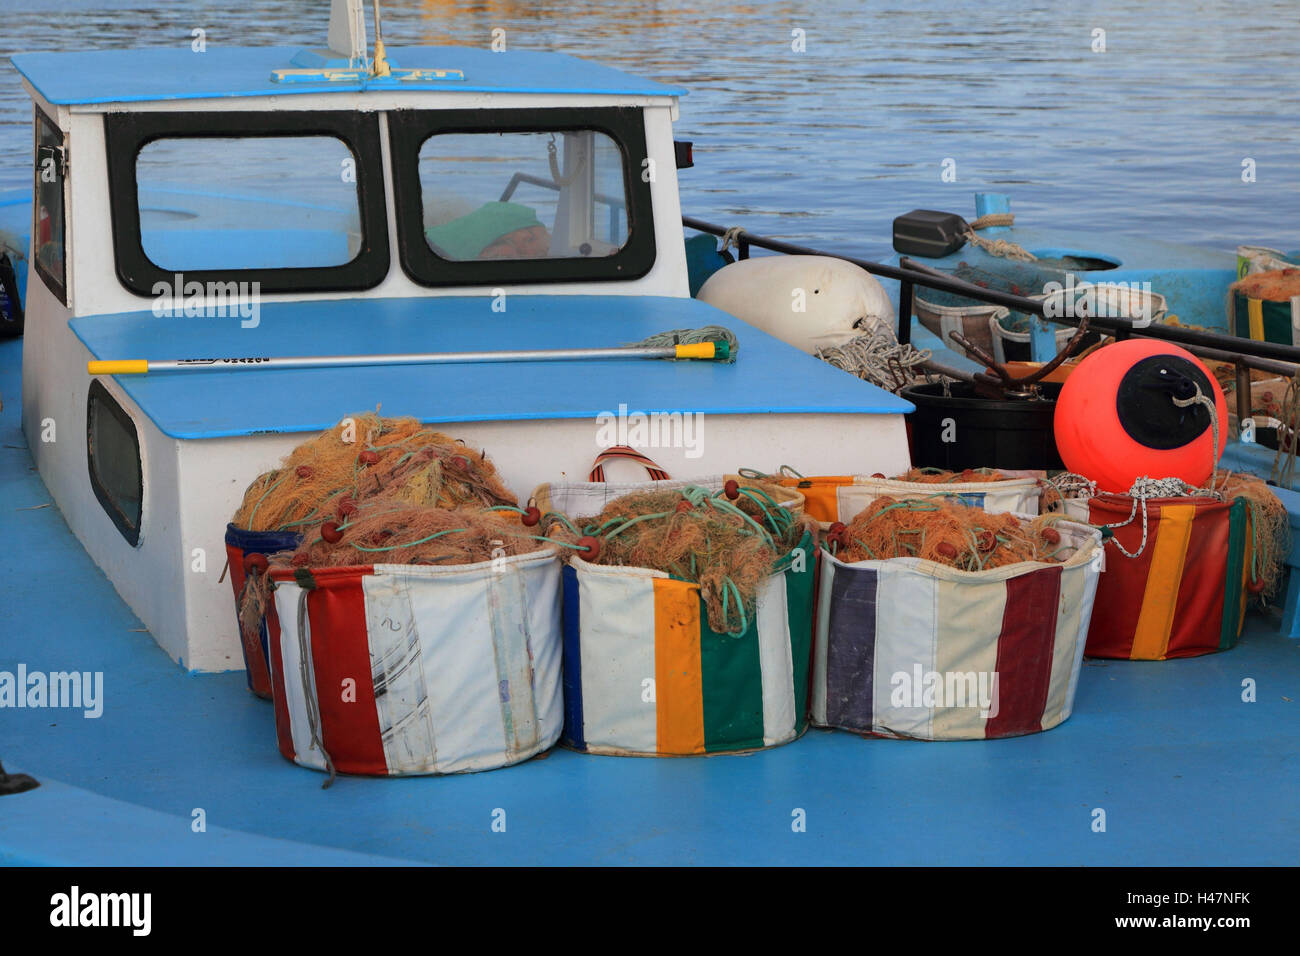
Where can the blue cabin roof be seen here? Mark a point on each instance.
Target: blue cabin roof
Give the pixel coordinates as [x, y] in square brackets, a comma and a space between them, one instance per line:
[127, 76]
[769, 376]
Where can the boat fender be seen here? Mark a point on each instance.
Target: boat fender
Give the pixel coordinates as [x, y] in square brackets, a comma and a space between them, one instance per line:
[1138, 409]
[810, 302]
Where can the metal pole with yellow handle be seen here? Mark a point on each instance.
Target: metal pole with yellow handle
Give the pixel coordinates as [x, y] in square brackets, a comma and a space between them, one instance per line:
[716, 351]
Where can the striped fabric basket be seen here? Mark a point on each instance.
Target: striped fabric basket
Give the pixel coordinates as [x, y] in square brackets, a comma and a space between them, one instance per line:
[842, 497]
[403, 669]
[1185, 593]
[1265, 306]
[911, 648]
[240, 545]
[645, 675]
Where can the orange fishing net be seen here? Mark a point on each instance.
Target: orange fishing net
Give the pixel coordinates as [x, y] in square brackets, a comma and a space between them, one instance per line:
[949, 532]
[938, 476]
[1268, 541]
[386, 530]
[1276, 286]
[363, 456]
[728, 546]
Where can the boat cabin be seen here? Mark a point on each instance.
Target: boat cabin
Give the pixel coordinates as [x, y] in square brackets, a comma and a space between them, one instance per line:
[239, 204]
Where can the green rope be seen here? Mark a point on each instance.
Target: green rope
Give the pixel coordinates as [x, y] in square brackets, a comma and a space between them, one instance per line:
[252, 514]
[409, 544]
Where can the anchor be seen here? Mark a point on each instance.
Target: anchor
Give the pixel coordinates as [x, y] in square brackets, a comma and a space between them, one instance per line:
[1002, 384]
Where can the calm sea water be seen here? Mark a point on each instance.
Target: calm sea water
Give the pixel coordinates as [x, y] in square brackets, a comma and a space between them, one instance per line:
[828, 144]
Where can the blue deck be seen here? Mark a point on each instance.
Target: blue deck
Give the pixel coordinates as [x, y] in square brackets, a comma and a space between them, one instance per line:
[176, 73]
[769, 376]
[1187, 773]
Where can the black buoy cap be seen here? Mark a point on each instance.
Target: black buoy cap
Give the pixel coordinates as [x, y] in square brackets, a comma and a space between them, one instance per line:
[1145, 404]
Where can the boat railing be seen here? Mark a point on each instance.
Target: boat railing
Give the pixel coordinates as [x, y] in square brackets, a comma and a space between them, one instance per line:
[1242, 354]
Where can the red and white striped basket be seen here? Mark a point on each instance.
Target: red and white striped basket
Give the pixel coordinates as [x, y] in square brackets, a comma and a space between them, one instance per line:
[406, 669]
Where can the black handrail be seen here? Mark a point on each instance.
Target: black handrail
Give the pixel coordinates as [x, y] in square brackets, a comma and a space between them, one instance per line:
[1245, 354]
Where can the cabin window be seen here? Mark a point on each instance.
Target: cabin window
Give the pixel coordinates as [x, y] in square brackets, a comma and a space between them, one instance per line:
[47, 229]
[113, 451]
[542, 195]
[265, 202]
[495, 196]
[284, 201]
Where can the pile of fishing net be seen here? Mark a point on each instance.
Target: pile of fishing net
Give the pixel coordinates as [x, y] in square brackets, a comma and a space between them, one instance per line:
[364, 456]
[388, 530]
[1270, 529]
[728, 542]
[1278, 285]
[940, 476]
[947, 531]
[375, 490]
[385, 530]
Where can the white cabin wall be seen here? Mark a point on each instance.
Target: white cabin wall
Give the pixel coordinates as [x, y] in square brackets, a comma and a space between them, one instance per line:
[670, 241]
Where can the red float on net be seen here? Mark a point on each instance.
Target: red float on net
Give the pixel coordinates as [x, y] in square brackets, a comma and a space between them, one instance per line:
[1130, 410]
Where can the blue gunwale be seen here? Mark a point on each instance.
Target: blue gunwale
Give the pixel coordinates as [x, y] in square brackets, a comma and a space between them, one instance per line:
[146, 75]
[768, 377]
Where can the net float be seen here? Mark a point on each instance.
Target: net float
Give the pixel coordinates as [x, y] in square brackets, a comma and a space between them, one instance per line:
[1141, 408]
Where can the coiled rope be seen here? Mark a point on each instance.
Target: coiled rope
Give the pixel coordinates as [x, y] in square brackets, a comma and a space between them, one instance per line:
[1002, 248]
[878, 357]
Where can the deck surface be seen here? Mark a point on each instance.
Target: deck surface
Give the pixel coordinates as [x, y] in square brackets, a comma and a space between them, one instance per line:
[1187, 773]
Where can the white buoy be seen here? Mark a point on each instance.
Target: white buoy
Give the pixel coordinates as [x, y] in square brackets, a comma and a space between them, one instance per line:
[811, 302]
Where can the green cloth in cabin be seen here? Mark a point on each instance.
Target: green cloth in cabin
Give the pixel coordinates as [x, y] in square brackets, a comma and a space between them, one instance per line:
[468, 236]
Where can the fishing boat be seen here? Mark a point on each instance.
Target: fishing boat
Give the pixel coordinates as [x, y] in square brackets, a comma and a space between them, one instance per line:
[225, 253]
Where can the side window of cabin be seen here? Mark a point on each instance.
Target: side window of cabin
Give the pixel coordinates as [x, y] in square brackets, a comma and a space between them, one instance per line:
[47, 229]
[523, 195]
[113, 453]
[248, 202]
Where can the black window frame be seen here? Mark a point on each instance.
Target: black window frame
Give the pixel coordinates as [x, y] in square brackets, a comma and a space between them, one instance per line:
[127, 133]
[57, 285]
[625, 126]
[107, 403]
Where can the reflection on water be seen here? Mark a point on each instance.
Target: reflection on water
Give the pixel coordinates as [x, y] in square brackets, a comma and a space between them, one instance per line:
[829, 144]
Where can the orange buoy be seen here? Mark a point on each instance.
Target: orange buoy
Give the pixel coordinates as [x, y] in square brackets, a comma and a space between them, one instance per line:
[1130, 411]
